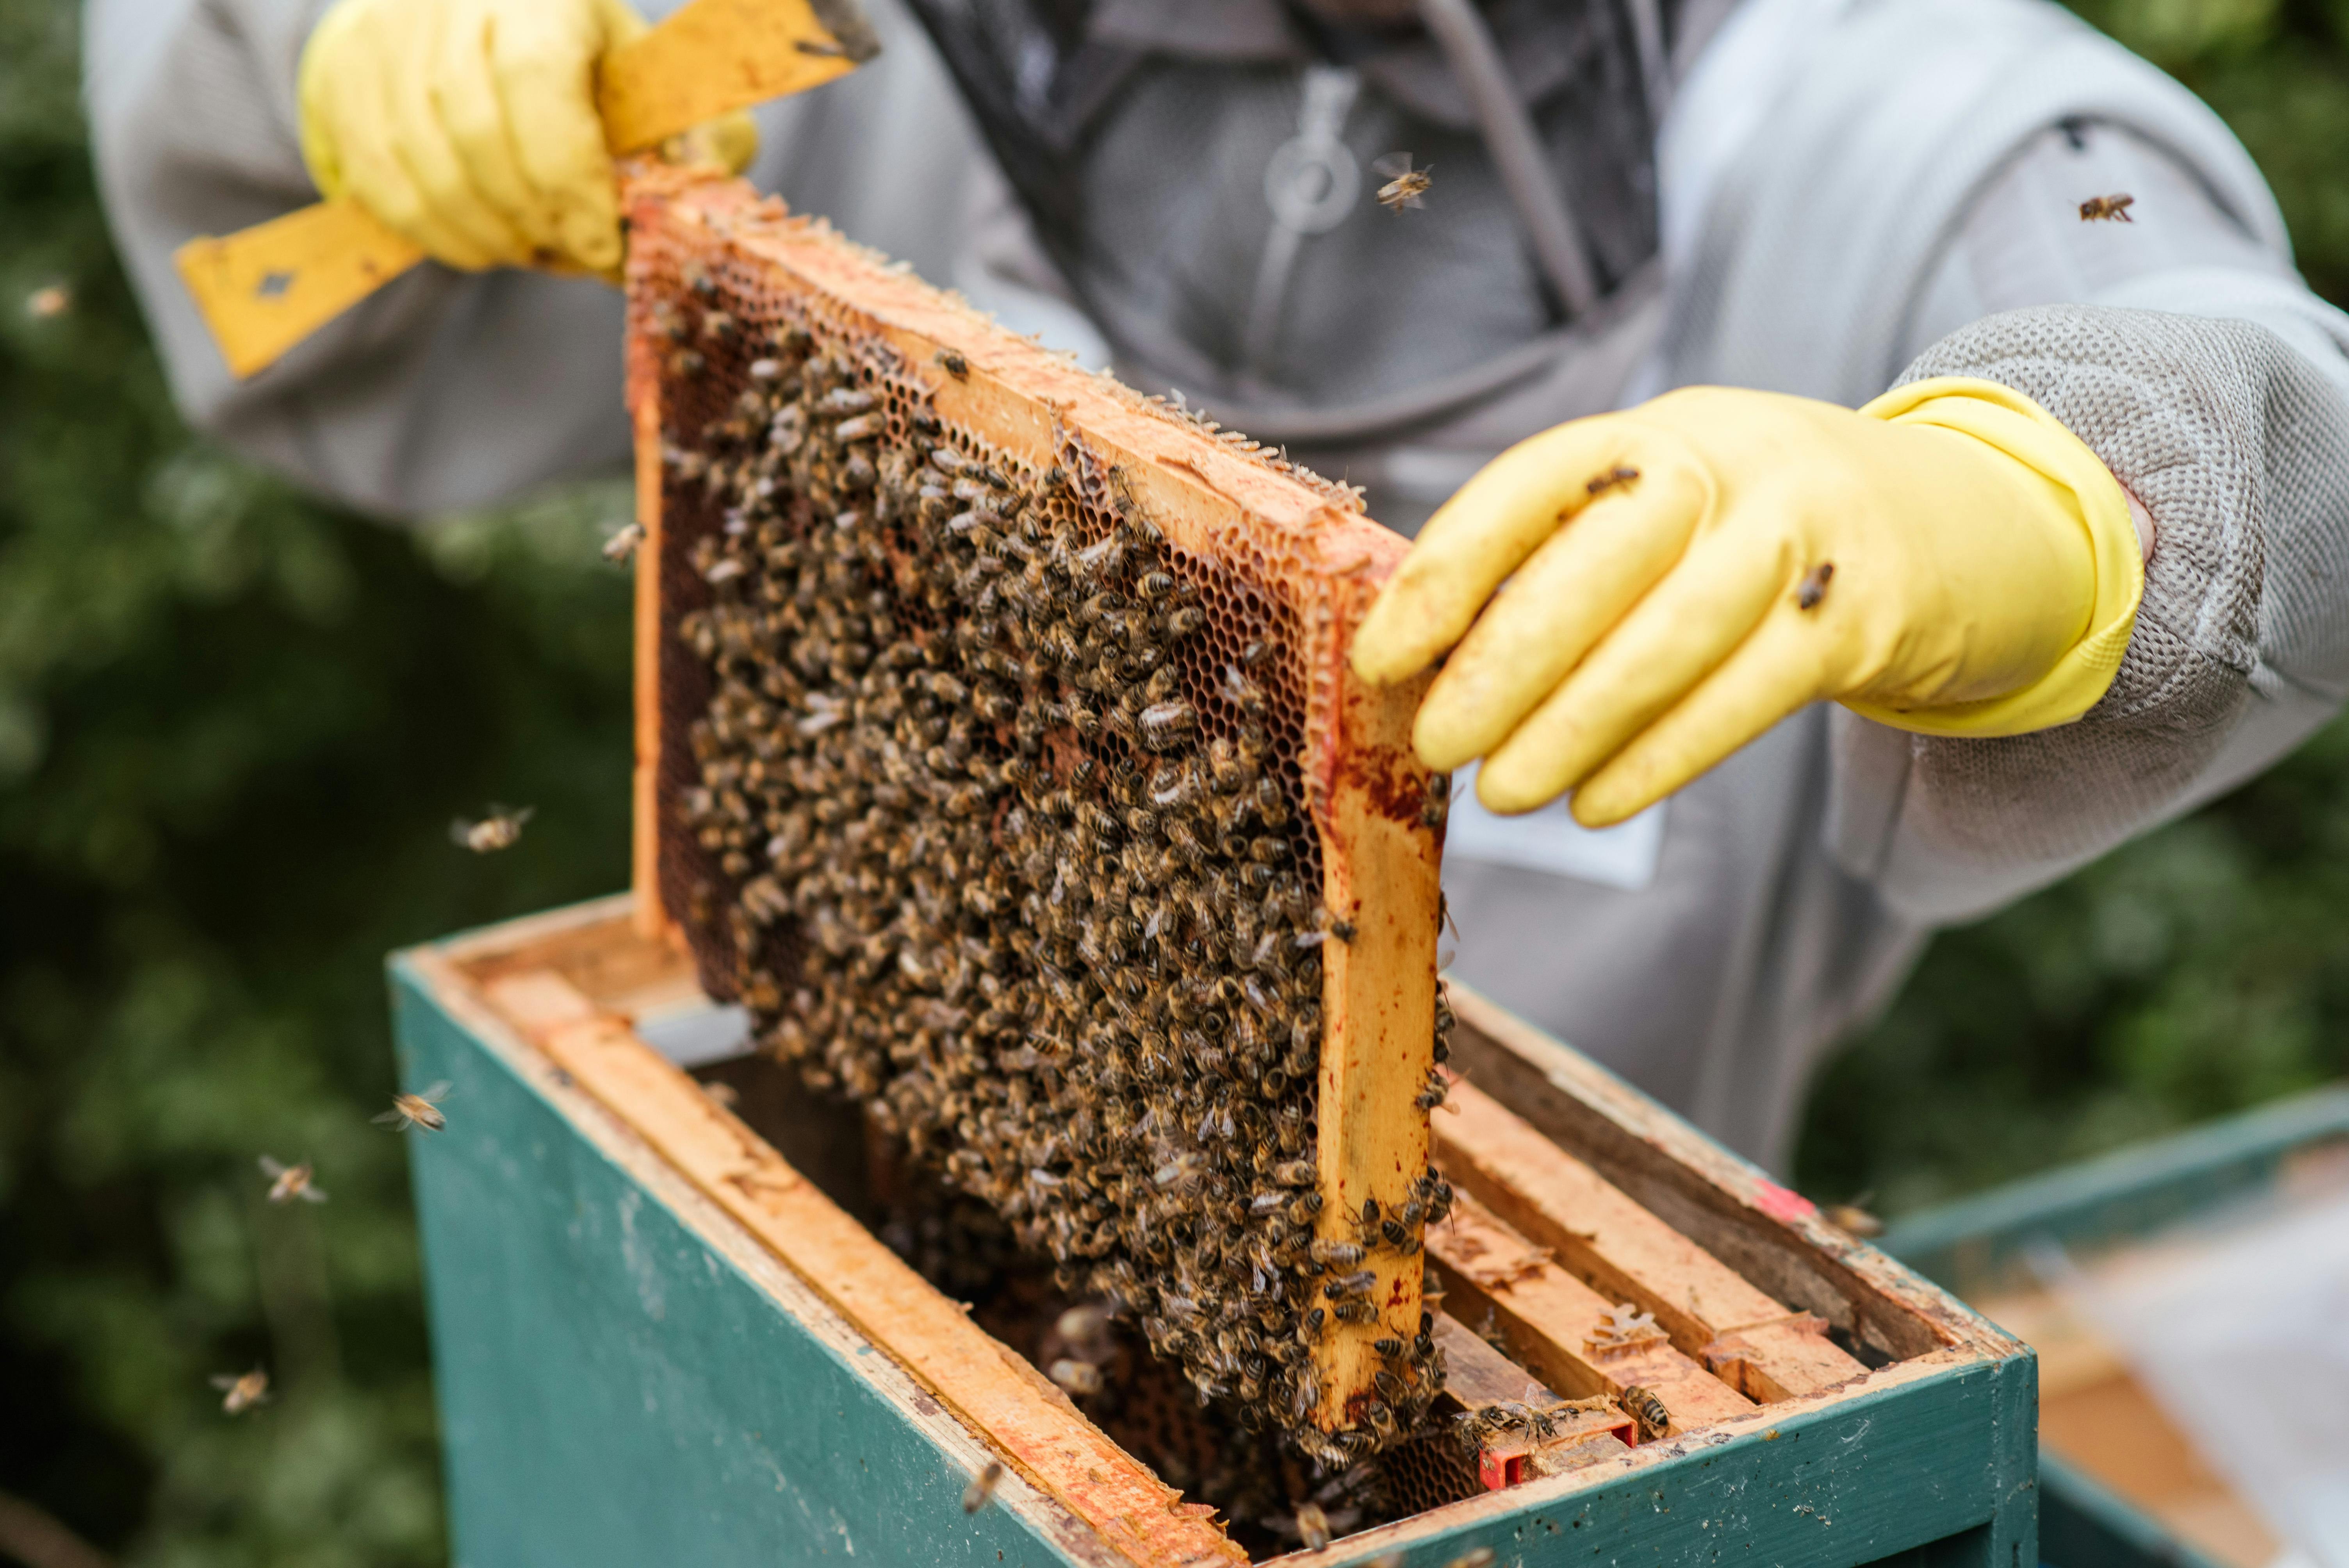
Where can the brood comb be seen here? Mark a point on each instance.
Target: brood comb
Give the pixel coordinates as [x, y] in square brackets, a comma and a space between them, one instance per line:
[997, 748]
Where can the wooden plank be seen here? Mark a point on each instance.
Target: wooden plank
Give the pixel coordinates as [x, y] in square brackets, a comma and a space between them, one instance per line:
[1476, 1375]
[985, 1383]
[1378, 1044]
[1601, 1237]
[1786, 1360]
[644, 803]
[1771, 1236]
[1555, 1325]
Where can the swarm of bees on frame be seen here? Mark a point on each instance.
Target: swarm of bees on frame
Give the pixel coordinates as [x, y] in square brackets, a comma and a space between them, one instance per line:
[1001, 789]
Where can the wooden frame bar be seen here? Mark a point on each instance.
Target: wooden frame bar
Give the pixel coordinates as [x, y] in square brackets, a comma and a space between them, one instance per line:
[1601, 1237]
[1558, 1327]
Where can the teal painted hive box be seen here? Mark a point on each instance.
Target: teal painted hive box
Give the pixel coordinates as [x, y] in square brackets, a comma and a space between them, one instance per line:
[667, 1329]
[2120, 1487]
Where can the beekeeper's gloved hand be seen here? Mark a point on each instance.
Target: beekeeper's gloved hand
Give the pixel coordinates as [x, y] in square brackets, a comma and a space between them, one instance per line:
[1948, 560]
[470, 126]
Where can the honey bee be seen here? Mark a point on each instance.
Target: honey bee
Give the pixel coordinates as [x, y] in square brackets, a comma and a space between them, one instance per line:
[416, 1109]
[1082, 1378]
[1313, 1525]
[501, 829]
[1814, 586]
[982, 1487]
[952, 364]
[1405, 186]
[242, 1391]
[1621, 475]
[622, 545]
[49, 301]
[1852, 1220]
[288, 1182]
[2113, 207]
[1643, 1406]
[1087, 1324]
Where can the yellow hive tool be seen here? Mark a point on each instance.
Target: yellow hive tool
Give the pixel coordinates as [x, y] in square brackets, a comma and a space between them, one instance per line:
[264, 289]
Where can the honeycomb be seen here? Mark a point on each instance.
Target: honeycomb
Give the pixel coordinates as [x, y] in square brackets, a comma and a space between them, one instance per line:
[1003, 762]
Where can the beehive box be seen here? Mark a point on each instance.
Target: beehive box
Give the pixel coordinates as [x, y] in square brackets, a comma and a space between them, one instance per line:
[2120, 1485]
[665, 1331]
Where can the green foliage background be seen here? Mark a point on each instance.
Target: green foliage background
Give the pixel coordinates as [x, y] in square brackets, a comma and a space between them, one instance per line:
[233, 727]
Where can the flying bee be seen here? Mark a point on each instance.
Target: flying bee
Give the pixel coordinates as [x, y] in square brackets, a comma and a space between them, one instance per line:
[1814, 586]
[242, 1391]
[1852, 1220]
[288, 1182]
[1643, 1406]
[2111, 209]
[1082, 1378]
[1313, 1525]
[48, 302]
[416, 1109]
[1405, 186]
[622, 546]
[982, 1487]
[501, 829]
[1621, 475]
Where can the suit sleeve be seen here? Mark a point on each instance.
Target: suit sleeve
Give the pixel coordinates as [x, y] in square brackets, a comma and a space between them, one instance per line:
[2190, 357]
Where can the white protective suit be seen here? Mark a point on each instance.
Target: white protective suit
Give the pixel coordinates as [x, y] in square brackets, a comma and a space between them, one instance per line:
[1846, 195]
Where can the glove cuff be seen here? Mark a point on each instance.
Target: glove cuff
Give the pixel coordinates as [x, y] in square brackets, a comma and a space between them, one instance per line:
[2003, 418]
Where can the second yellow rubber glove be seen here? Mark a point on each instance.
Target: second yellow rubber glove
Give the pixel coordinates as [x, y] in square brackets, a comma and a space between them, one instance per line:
[470, 126]
[1681, 576]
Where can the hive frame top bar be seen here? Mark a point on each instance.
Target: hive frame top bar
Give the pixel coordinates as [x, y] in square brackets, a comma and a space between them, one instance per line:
[1214, 497]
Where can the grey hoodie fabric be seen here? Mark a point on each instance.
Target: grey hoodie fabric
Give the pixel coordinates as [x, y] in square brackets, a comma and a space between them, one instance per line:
[1848, 194]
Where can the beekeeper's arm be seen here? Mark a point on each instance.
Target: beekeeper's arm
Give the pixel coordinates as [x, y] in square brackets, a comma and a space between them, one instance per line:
[465, 123]
[2077, 571]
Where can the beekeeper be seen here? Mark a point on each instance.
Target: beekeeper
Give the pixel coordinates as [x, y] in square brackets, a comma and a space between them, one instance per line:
[1982, 534]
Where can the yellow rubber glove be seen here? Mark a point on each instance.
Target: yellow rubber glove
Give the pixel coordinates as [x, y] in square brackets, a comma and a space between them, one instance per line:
[1682, 575]
[470, 126]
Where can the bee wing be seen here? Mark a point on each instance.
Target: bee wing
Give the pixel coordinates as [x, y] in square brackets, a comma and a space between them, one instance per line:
[391, 1117]
[271, 1168]
[461, 833]
[1392, 165]
[313, 1195]
[437, 1092]
[524, 815]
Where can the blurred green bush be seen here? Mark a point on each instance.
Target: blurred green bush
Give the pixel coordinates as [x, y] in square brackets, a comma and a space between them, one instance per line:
[235, 726]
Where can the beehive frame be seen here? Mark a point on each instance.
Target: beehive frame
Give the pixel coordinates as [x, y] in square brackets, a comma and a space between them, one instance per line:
[573, 1147]
[1212, 500]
